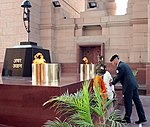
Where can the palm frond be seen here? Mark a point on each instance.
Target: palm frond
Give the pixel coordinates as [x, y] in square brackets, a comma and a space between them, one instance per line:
[83, 114]
[101, 108]
[56, 123]
[115, 119]
[108, 102]
[79, 108]
[66, 102]
[98, 100]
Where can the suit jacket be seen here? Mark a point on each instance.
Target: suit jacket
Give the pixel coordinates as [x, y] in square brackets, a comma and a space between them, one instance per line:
[126, 77]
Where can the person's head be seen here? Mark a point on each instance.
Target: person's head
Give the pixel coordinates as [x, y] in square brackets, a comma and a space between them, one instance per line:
[114, 59]
[102, 69]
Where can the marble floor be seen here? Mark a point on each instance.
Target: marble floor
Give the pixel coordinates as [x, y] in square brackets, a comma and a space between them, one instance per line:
[65, 78]
[71, 78]
[146, 104]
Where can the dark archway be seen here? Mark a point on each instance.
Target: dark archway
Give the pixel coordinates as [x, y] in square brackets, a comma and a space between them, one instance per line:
[91, 52]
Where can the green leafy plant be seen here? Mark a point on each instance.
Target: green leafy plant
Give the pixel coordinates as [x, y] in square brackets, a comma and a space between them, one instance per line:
[57, 123]
[84, 109]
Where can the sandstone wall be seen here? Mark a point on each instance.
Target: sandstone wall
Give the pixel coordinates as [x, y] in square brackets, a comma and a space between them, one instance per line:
[61, 29]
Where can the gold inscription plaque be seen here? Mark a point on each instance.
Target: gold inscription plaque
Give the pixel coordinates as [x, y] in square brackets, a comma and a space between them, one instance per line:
[17, 63]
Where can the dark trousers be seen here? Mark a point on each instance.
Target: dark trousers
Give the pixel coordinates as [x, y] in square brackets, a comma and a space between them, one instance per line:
[128, 97]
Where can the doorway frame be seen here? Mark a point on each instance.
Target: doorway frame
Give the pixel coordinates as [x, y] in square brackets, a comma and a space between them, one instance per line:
[102, 45]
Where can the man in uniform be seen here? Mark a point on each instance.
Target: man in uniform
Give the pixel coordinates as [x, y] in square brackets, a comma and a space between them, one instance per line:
[130, 89]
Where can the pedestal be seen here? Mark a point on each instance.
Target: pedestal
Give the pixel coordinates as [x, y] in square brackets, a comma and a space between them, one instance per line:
[148, 79]
[87, 71]
[46, 73]
[18, 60]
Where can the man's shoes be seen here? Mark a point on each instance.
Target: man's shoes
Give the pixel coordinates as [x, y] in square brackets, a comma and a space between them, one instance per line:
[140, 121]
[126, 119]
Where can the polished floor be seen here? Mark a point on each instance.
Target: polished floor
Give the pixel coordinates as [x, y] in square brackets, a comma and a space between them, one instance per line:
[146, 103]
[66, 78]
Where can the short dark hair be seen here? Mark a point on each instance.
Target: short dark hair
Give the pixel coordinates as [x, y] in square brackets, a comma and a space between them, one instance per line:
[101, 69]
[113, 57]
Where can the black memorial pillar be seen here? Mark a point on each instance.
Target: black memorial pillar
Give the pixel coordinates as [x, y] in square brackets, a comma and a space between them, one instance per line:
[18, 60]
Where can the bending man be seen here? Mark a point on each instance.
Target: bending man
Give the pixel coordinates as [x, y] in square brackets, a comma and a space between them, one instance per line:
[130, 89]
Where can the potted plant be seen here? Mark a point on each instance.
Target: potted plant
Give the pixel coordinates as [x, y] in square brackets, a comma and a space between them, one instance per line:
[84, 109]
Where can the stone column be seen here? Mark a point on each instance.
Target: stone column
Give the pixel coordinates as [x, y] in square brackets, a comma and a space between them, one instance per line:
[110, 6]
[130, 7]
[148, 54]
[148, 79]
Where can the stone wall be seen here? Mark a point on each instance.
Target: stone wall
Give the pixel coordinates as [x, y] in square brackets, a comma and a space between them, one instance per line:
[11, 25]
[61, 29]
[12, 30]
[43, 22]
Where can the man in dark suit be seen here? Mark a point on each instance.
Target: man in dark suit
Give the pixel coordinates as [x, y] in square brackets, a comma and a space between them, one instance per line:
[125, 75]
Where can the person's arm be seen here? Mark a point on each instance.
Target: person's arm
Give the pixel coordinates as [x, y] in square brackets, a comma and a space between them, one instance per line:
[119, 75]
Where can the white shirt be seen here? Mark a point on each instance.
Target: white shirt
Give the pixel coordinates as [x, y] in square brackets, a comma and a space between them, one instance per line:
[107, 79]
